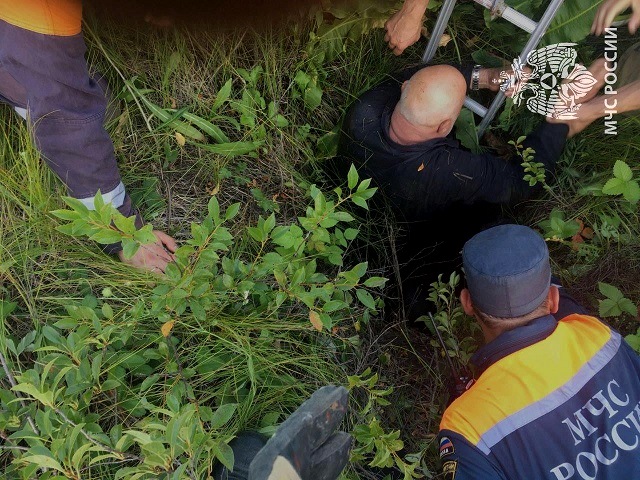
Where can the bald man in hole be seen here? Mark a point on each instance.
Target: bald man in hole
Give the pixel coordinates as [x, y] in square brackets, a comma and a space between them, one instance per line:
[400, 134]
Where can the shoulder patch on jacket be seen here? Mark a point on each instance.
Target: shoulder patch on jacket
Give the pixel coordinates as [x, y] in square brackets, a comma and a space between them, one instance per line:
[449, 469]
[446, 447]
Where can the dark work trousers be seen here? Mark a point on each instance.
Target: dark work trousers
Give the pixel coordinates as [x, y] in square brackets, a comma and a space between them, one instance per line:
[46, 77]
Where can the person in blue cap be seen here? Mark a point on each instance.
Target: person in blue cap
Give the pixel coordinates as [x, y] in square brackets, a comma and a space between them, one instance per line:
[557, 394]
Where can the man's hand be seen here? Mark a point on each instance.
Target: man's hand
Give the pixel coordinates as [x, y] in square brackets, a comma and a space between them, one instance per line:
[404, 28]
[585, 116]
[153, 256]
[608, 12]
[591, 107]
[490, 78]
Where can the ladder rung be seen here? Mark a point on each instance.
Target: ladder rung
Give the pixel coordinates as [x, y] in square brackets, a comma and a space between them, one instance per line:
[509, 14]
[475, 107]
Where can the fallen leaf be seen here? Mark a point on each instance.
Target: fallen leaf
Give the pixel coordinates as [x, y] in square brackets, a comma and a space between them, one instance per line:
[587, 233]
[166, 328]
[314, 317]
[215, 190]
[180, 139]
[584, 233]
[444, 40]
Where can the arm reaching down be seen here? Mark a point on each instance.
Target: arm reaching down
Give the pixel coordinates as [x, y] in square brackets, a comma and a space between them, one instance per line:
[404, 27]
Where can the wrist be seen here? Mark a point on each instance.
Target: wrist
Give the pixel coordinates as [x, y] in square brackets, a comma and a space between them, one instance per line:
[415, 8]
[484, 78]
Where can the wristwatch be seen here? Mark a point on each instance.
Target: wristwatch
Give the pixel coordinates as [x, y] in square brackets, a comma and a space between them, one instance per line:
[475, 77]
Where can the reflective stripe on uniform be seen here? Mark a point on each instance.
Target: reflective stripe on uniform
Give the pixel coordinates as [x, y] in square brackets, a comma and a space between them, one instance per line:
[503, 400]
[49, 17]
[115, 197]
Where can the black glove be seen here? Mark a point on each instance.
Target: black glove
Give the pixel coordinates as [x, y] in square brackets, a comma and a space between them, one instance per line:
[305, 446]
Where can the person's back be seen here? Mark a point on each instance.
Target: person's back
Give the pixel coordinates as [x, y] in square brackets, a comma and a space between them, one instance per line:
[567, 406]
[554, 399]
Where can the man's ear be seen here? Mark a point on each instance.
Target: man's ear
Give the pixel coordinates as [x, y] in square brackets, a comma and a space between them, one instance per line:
[465, 300]
[445, 127]
[404, 84]
[554, 299]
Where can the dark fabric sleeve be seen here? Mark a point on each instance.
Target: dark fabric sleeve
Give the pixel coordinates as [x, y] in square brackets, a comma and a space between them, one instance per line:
[465, 69]
[462, 461]
[486, 177]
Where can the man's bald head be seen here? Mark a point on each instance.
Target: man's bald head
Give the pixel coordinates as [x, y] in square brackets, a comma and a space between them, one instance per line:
[432, 96]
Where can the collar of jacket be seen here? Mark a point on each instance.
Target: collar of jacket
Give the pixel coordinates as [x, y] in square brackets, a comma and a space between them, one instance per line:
[513, 340]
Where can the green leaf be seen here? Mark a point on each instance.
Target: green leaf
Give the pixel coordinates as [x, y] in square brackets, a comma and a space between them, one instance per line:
[466, 131]
[224, 454]
[232, 149]
[361, 202]
[631, 192]
[207, 127]
[149, 382]
[628, 306]
[374, 282]
[572, 22]
[66, 214]
[352, 177]
[223, 414]
[125, 224]
[622, 171]
[302, 80]
[333, 305]
[614, 186]
[44, 461]
[634, 341]
[129, 248]
[232, 211]
[223, 95]
[105, 237]
[350, 233]
[609, 308]
[45, 398]
[610, 291]
[365, 298]
[312, 96]
[66, 324]
[145, 235]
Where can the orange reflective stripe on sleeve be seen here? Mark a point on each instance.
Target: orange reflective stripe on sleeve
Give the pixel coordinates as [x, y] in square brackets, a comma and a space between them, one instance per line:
[50, 17]
[511, 387]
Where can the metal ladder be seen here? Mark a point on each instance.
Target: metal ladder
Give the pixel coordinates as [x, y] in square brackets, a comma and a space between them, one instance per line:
[498, 9]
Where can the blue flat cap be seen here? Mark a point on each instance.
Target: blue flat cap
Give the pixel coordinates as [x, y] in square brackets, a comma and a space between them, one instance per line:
[507, 270]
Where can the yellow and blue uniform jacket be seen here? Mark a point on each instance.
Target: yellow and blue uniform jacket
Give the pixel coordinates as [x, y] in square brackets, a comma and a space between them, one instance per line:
[554, 400]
